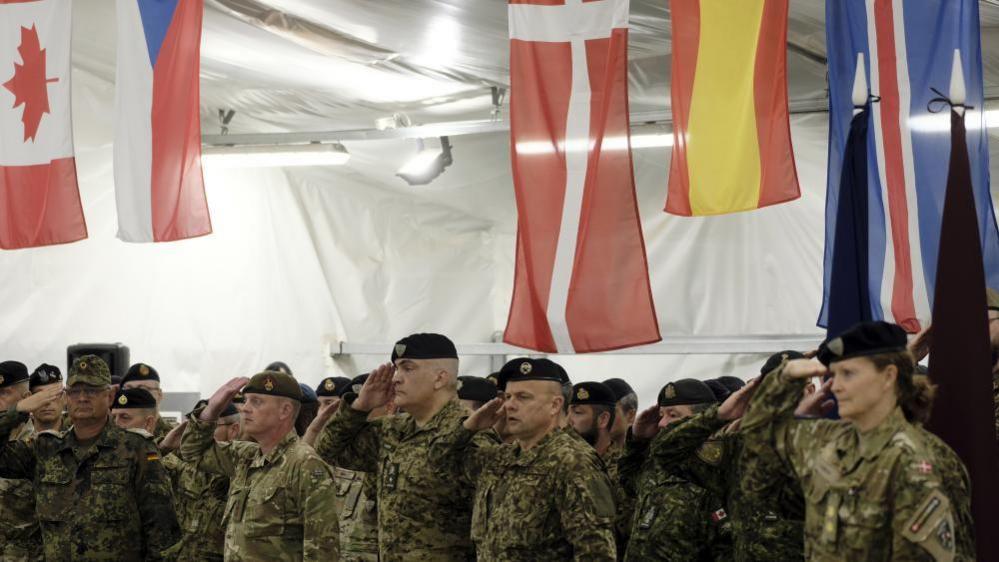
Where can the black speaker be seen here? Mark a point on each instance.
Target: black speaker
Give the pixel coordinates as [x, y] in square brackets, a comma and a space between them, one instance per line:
[114, 354]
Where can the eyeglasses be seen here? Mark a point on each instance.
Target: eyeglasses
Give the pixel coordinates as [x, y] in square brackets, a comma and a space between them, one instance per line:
[88, 391]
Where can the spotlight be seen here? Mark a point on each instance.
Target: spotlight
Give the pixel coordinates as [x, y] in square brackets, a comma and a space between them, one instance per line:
[427, 164]
[265, 156]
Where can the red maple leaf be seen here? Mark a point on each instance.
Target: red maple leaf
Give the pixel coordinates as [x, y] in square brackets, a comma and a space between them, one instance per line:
[29, 84]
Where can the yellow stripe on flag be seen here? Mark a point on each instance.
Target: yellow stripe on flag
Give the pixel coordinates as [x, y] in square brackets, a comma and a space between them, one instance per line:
[723, 112]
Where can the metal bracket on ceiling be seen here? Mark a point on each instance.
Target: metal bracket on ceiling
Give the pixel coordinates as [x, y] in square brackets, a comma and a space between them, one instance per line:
[225, 117]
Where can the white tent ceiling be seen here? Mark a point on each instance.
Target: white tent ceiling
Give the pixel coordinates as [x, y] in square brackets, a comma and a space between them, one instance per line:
[304, 257]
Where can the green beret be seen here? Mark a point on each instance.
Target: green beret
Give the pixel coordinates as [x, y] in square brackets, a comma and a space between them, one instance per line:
[862, 340]
[12, 372]
[140, 372]
[528, 369]
[685, 392]
[332, 386]
[424, 346]
[593, 393]
[273, 383]
[476, 388]
[90, 370]
[133, 398]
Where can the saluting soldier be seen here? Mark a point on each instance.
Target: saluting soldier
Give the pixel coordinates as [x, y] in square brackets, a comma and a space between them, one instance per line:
[147, 378]
[101, 492]
[53, 416]
[546, 497]
[877, 485]
[424, 506]
[281, 494]
[20, 536]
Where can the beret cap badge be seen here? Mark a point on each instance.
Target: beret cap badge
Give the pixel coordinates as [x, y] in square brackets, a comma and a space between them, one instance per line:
[525, 368]
[329, 384]
[669, 391]
[144, 371]
[836, 346]
[582, 394]
[269, 384]
[400, 349]
[123, 400]
[83, 364]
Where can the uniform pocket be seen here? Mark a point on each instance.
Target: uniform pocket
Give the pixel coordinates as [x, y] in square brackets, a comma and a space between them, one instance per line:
[264, 514]
[109, 492]
[55, 497]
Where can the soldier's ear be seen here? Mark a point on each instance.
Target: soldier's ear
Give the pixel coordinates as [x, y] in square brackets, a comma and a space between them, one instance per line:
[603, 420]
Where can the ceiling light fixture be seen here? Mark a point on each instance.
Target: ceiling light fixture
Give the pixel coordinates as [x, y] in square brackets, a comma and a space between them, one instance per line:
[428, 163]
[269, 156]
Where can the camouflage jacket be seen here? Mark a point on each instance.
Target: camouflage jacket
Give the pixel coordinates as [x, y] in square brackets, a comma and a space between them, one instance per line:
[763, 498]
[892, 493]
[199, 499]
[358, 512]
[281, 504]
[20, 535]
[551, 502]
[106, 500]
[675, 519]
[624, 503]
[424, 506]
[162, 428]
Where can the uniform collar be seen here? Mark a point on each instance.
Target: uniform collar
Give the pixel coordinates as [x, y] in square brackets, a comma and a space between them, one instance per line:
[449, 412]
[527, 457]
[874, 441]
[108, 437]
[287, 441]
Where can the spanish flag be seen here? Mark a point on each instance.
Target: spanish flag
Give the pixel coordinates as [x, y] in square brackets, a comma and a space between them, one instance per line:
[732, 140]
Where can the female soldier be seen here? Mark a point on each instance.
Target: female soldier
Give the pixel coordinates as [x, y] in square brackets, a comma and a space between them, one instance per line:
[877, 485]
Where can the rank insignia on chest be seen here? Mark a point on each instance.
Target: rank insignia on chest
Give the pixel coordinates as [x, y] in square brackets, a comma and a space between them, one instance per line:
[269, 384]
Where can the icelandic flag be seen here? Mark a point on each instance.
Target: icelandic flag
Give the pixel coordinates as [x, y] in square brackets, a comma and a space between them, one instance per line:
[159, 186]
[39, 197]
[909, 46]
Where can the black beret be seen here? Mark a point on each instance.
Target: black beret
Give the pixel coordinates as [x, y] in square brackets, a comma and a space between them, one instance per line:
[476, 388]
[497, 380]
[12, 372]
[134, 398]
[332, 386]
[593, 393]
[140, 372]
[527, 369]
[424, 346]
[273, 383]
[44, 374]
[864, 339]
[685, 392]
[239, 398]
[230, 410]
[776, 359]
[308, 395]
[356, 383]
[279, 367]
[719, 389]
[619, 387]
[731, 383]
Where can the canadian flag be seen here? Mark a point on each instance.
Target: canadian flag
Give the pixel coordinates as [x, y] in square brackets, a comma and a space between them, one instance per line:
[582, 280]
[39, 196]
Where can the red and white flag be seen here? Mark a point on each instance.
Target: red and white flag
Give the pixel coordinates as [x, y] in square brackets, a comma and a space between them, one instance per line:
[39, 196]
[582, 280]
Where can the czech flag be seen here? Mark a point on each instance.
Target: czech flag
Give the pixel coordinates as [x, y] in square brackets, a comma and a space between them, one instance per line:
[159, 187]
[732, 138]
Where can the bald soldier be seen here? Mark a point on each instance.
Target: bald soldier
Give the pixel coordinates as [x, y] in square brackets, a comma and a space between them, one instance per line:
[281, 495]
[20, 536]
[145, 377]
[100, 492]
[424, 506]
[546, 497]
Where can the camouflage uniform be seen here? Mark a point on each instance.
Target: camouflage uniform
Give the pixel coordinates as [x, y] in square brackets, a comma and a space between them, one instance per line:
[20, 536]
[624, 502]
[281, 505]
[199, 499]
[162, 428]
[424, 508]
[355, 498]
[551, 502]
[765, 503]
[894, 493]
[675, 519]
[108, 499]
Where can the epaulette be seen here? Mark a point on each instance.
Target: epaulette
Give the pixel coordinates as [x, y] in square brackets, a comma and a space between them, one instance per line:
[142, 432]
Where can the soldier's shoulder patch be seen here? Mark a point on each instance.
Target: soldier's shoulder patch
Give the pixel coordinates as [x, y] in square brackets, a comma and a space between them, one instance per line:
[711, 452]
[932, 527]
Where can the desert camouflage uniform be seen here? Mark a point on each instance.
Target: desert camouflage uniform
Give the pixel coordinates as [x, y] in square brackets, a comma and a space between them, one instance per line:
[358, 511]
[20, 535]
[764, 500]
[281, 505]
[200, 499]
[551, 502]
[675, 519]
[105, 500]
[424, 506]
[893, 493]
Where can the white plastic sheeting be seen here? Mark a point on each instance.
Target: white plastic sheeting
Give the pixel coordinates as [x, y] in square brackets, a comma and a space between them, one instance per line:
[304, 257]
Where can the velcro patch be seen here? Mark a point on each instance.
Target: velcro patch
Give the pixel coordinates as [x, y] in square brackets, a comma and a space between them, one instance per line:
[932, 527]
